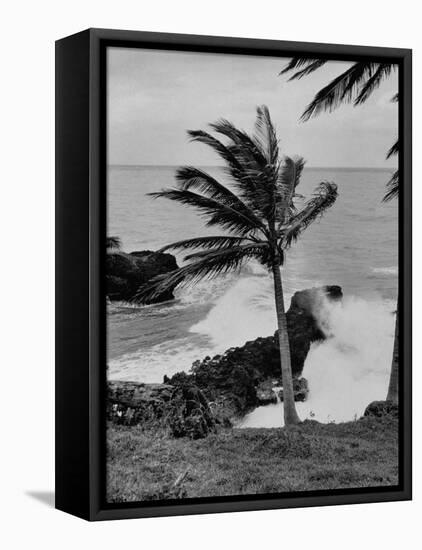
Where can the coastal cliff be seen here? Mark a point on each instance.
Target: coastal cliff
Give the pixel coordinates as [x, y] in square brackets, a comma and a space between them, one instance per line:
[220, 389]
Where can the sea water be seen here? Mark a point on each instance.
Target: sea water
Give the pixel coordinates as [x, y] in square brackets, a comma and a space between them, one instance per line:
[354, 245]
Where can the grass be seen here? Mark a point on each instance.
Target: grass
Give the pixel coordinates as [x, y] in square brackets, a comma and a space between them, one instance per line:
[148, 465]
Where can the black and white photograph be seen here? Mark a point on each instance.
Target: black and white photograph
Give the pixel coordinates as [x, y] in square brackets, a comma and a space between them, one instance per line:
[211, 238]
[251, 275]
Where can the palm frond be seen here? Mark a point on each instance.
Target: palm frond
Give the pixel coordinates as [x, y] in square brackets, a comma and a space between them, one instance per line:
[395, 98]
[255, 171]
[288, 179]
[113, 243]
[243, 143]
[265, 136]
[224, 152]
[392, 187]
[216, 242]
[394, 150]
[341, 89]
[194, 178]
[212, 264]
[244, 163]
[216, 212]
[383, 71]
[325, 196]
[310, 65]
[258, 244]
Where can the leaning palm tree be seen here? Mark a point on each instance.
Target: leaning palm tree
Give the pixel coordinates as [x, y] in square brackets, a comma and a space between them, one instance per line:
[258, 212]
[354, 85]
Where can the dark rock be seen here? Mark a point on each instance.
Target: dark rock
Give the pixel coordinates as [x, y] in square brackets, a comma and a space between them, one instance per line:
[382, 408]
[181, 408]
[302, 324]
[300, 389]
[265, 392]
[125, 273]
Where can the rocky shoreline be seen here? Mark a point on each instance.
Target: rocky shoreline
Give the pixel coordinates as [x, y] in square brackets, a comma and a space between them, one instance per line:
[223, 388]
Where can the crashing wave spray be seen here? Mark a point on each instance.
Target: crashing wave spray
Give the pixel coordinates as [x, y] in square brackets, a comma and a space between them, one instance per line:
[351, 368]
[346, 371]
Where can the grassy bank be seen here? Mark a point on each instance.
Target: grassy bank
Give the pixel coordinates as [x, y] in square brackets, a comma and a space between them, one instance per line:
[144, 465]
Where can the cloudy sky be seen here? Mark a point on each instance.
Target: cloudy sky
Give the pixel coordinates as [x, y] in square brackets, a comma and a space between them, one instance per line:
[155, 96]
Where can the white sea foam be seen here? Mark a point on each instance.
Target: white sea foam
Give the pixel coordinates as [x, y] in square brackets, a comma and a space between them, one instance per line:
[391, 270]
[348, 370]
[243, 313]
[151, 365]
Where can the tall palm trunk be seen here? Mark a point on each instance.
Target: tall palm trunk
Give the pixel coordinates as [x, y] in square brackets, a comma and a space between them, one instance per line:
[393, 387]
[290, 414]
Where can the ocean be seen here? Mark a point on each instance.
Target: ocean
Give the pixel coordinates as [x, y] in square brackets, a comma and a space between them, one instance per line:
[355, 245]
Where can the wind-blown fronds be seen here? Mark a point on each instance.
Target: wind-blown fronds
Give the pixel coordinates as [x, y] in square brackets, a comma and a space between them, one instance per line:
[324, 196]
[355, 84]
[310, 65]
[208, 266]
[216, 212]
[340, 90]
[383, 71]
[249, 149]
[207, 139]
[394, 150]
[113, 243]
[253, 161]
[216, 242]
[266, 137]
[249, 172]
[192, 178]
[240, 156]
[392, 187]
[288, 179]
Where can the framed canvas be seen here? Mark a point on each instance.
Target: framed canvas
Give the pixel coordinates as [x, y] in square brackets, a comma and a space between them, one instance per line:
[233, 274]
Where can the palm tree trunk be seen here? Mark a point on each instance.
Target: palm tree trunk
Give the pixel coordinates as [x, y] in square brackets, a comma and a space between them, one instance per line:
[290, 414]
[393, 387]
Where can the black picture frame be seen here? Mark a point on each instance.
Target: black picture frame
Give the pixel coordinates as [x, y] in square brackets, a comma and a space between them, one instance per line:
[80, 254]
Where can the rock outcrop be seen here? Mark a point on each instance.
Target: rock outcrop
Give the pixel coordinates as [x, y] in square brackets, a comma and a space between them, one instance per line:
[238, 381]
[302, 324]
[182, 409]
[125, 273]
[269, 392]
[382, 408]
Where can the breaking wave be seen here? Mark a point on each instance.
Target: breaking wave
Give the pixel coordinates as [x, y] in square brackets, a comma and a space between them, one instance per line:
[346, 371]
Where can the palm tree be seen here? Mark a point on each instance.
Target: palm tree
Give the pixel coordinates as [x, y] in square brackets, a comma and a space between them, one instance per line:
[356, 85]
[258, 213]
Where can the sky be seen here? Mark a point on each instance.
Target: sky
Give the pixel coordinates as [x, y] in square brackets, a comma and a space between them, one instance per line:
[154, 97]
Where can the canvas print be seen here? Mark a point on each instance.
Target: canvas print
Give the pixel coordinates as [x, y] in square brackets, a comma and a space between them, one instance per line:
[251, 275]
